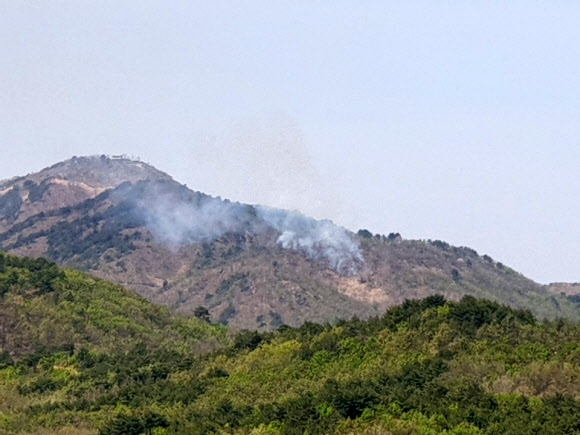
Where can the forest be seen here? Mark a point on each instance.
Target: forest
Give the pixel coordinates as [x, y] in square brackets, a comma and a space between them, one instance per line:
[80, 355]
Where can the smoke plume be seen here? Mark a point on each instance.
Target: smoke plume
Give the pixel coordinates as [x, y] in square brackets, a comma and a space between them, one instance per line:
[319, 239]
[262, 160]
[180, 216]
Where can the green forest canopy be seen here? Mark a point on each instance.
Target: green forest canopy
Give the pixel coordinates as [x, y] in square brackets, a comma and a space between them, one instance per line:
[80, 356]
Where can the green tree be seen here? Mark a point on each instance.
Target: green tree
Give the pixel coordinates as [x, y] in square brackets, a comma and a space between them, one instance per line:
[124, 425]
[202, 313]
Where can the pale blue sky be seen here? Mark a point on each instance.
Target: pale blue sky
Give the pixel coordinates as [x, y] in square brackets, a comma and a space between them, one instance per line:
[452, 120]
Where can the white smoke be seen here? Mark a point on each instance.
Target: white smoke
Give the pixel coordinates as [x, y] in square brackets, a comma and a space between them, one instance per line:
[265, 160]
[184, 217]
[178, 223]
[320, 240]
[178, 216]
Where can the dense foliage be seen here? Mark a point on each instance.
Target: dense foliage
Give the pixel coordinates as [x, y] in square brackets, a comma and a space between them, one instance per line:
[116, 364]
[44, 309]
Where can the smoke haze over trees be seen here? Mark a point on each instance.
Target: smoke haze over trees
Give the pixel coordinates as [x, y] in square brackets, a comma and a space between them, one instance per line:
[200, 218]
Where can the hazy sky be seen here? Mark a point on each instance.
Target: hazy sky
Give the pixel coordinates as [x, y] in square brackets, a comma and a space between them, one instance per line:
[452, 120]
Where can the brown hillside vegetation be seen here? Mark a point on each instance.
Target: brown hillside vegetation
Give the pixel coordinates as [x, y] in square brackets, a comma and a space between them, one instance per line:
[130, 223]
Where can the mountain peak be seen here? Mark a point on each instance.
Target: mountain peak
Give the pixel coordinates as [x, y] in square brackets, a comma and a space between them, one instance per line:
[94, 171]
[101, 171]
[68, 183]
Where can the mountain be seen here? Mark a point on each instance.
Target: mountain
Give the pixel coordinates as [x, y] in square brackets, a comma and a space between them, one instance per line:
[253, 267]
[429, 366]
[67, 183]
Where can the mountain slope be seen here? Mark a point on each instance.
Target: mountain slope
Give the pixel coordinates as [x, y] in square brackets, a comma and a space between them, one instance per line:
[251, 266]
[44, 309]
[67, 183]
[426, 367]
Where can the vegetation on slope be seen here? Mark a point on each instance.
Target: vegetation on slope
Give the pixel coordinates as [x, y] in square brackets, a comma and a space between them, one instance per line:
[425, 367]
[51, 320]
[45, 309]
[418, 269]
[129, 223]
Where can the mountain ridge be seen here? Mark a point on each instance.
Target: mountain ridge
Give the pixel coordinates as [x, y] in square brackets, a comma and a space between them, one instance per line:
[251, 266]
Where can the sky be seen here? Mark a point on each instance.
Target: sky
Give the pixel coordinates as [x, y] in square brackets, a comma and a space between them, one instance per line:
[450, 120]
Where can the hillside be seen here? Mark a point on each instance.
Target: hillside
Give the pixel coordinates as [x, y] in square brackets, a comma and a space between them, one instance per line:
[67, 183]
[44, 309]
[426, 367]
[251, 266]
[570, 289]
